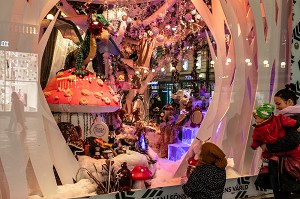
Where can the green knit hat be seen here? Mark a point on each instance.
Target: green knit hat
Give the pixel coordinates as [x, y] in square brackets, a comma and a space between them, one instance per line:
[264, 110]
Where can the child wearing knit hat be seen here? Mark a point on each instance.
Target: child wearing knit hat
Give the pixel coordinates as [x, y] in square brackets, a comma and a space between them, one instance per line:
[268, 127]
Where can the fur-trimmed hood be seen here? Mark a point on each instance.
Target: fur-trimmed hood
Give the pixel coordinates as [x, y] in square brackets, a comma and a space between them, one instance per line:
[290, 110]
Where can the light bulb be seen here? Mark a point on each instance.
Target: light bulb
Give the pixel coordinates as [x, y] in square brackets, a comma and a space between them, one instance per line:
[50, 16]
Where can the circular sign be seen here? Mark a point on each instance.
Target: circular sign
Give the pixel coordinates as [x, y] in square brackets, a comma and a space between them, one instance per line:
[100, 130]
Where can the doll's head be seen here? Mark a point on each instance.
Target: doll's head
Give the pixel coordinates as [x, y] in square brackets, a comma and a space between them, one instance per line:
[263, 112]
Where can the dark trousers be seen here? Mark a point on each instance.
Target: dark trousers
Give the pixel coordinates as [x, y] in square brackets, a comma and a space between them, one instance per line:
[274, 178]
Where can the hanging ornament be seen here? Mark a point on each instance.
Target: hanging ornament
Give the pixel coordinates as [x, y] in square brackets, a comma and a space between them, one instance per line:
[124, 17]
[167, 44]
[191, 6]
[160, 16]
[150, 33]
[197, 16]
[160, 38]
[188, 17]
[172, 9]
[193, 12]
[202, 23]
[155, 31]
[129, 20]
[168, 27]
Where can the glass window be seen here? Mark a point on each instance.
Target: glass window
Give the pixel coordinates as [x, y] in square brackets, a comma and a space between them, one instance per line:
[185, 65]
[19, 74]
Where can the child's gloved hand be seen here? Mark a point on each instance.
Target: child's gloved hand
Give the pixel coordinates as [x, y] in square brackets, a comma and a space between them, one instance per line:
[263, 147]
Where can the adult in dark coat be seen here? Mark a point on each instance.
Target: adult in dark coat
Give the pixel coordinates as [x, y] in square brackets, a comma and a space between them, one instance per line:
[282, 183]
[209, 177]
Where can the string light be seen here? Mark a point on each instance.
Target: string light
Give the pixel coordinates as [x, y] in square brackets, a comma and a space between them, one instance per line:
[282, 64]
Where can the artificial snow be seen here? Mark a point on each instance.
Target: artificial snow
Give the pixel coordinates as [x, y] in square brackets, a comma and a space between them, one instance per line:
[164, 170]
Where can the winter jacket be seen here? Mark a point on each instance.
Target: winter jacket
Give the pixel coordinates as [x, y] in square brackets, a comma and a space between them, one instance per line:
[291, 139]
[288, 143]
[271, 130]
[205, 182]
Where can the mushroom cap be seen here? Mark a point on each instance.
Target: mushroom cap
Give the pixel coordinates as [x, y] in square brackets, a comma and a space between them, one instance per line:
[141, 173]
[69, 93]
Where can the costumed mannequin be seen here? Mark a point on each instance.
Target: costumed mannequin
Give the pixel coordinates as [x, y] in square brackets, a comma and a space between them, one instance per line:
[103, 42]
[167, 130]
[138, 106]
[180, 99]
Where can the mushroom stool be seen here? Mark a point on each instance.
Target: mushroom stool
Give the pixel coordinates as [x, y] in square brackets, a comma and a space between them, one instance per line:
[139, 175]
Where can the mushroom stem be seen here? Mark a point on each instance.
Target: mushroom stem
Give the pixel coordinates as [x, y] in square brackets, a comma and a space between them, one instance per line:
[139, 184]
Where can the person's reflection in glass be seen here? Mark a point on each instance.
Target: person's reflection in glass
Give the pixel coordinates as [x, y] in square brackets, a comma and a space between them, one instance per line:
[17, 113]
[14, 170]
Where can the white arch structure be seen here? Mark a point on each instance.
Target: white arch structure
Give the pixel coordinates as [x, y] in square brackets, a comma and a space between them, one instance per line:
[259, 32]
[27, 157]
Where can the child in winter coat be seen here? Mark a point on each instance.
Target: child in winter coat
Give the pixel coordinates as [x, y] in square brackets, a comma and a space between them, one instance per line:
[270, 128]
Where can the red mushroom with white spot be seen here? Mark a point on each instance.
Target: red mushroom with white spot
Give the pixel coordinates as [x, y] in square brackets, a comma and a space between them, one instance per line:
[68, 93]
[192, 163]
[139, 175]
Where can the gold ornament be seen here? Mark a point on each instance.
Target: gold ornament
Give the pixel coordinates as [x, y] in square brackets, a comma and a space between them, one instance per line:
[124, 17]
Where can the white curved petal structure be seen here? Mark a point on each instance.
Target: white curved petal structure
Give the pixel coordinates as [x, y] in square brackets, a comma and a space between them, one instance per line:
[258, 32]
[31, 148]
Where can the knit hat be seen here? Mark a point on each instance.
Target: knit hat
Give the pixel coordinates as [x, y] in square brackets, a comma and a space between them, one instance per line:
[264, 110]
[211, 154]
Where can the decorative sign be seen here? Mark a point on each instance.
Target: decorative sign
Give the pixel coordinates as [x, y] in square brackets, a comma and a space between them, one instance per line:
[99, 130]
[295, 68]
[242, 187]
